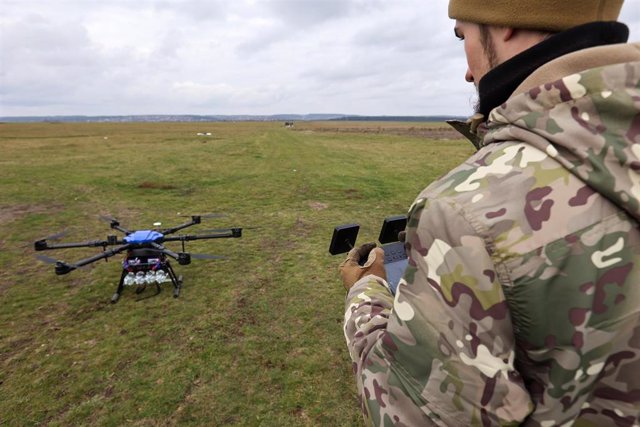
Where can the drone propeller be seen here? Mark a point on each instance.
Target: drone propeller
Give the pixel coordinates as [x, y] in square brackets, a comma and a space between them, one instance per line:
[108, 218]
[207, 256]
[222, 230]
[56, 236]
[61, 267]
[47, 260]
[114, 223]
[53, 237]
[214, 215]
[210, 215]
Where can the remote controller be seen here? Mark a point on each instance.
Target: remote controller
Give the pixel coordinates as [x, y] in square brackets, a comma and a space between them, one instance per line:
[395, 258]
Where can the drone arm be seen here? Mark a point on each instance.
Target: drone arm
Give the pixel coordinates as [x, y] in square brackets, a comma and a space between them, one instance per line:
[121, 229]
[230, 233]
[42, 245]
[194, 220]
[183, 258]
[164, 250]
[106, 254]
[64, 268]
[115, 224]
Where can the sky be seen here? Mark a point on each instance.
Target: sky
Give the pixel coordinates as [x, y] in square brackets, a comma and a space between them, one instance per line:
[208, 57]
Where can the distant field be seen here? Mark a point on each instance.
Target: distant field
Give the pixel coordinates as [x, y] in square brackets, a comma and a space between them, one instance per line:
[255, 339]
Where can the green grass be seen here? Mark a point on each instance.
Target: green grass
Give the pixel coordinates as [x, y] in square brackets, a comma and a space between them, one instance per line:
[255, 339]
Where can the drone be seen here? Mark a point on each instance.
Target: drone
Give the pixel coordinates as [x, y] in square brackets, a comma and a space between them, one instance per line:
[146, 260]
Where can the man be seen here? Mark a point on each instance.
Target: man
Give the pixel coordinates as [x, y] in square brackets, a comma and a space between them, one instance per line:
[521, 301]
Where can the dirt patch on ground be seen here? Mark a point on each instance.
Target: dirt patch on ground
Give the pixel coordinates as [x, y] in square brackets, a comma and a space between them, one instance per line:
[10, 213]
[439, 132]
[156, 186]
[318, 206]
[301, 228]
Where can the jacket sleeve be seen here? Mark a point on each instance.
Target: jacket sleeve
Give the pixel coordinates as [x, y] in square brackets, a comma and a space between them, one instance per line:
[443, 352]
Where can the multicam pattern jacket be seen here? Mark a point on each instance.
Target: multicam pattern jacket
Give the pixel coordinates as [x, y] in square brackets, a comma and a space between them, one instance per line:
[521, 302]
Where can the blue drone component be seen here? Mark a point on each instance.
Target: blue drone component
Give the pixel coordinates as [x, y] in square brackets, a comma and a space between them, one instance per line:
[146, 257]
[142, 237]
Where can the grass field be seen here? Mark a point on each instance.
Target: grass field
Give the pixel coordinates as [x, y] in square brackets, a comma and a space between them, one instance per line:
[255, 339]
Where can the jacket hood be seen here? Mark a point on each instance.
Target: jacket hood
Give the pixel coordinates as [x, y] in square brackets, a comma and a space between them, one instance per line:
[589, 122]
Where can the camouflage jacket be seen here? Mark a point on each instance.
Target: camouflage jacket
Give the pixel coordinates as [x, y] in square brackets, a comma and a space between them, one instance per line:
[521, 301]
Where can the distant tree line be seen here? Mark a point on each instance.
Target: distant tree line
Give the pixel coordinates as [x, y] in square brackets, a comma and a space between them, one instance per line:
[397, 118]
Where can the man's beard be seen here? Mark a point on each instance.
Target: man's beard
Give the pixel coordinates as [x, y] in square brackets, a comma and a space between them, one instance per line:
[492, 59]
[476, 102]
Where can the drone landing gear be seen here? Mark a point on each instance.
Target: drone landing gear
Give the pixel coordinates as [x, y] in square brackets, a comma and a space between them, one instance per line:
[176, 289]
[177, 281]
[142, 288]
[116, 296]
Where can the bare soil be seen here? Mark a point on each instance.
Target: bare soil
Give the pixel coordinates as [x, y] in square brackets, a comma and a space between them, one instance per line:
[437, 132]
[9, 213]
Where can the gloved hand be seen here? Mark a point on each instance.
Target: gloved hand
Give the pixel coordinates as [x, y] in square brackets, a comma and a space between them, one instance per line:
[350, 269]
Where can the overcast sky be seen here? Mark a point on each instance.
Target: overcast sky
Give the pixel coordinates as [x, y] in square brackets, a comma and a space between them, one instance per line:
[112, 57]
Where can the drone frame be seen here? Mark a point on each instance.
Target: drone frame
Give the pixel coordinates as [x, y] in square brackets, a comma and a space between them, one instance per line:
[135, 242]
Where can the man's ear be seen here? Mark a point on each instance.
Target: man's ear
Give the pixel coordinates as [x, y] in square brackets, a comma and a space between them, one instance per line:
[507, 33]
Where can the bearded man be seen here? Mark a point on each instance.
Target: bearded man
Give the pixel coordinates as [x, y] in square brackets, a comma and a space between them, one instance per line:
[521, 300]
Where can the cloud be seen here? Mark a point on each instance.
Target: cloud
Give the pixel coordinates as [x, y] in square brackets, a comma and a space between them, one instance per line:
[41, 59]
[305, 14]
[234, 56]
[196, 11]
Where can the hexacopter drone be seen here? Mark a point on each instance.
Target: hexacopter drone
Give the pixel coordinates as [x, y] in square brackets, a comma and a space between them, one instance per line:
[147, 260]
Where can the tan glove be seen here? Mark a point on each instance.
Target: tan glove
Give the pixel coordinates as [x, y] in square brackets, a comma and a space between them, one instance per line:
[350, 269]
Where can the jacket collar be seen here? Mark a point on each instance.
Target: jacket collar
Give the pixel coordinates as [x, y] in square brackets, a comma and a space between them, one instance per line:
[545, 62]
[499, 83]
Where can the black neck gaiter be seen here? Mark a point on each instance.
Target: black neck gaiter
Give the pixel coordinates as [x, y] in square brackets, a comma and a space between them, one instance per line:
[498, 84]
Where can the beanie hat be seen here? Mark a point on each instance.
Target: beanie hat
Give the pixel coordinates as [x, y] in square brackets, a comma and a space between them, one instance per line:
[544, 15]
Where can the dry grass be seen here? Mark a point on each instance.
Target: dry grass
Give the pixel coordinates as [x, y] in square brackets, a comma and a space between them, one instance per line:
[253, 340]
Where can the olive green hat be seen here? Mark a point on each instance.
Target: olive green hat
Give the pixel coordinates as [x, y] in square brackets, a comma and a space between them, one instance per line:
[545, 15]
